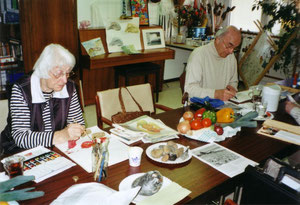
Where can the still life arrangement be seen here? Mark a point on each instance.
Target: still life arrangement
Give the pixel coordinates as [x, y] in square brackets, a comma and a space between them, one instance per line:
[209, 125]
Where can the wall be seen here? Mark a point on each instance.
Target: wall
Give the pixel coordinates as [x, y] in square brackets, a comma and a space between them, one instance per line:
[110, 9]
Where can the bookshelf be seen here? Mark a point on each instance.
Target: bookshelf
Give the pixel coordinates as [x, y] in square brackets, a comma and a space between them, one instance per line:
[11, 57]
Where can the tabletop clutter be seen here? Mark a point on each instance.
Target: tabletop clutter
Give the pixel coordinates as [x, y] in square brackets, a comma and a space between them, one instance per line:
[207, 121]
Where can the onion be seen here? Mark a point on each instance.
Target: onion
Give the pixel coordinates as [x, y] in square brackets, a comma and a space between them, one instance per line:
[183, 127]
[188, 115]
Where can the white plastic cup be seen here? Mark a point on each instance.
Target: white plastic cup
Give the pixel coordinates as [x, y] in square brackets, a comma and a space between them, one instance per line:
[271, 95]
[135, 156]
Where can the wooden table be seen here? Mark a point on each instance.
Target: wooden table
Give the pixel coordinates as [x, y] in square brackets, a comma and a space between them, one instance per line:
[194, 175]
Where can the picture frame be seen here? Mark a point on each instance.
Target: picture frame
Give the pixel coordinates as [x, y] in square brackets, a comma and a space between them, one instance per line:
[153, 38]
[139, 8]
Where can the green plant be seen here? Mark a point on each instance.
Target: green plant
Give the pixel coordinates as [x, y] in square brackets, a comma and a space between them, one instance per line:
[288, 16]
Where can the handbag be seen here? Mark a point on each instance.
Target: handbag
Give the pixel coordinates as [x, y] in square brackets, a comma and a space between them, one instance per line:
[124, 116]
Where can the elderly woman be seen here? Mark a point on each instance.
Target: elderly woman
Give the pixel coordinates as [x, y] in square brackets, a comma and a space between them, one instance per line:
[44, 107]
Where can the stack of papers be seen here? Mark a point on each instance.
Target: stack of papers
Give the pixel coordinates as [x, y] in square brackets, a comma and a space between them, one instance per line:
[143, 128]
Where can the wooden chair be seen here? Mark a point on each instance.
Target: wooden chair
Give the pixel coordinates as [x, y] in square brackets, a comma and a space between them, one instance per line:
[107, 102]
[185, 95]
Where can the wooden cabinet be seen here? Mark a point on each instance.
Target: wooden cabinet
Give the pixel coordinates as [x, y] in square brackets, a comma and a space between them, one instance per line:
[97, 73]
[44, 22]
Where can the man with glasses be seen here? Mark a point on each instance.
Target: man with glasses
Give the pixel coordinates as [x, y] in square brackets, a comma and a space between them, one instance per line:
[212, 69]
[44, 107]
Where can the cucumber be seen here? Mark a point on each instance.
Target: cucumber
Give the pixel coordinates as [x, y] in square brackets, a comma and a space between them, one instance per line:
[244, 121]
[249, 116]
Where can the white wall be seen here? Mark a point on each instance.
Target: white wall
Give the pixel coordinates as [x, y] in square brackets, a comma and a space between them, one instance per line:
[243, 11]
[110, 9]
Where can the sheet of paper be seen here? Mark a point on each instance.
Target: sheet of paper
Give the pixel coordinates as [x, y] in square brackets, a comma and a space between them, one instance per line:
[287, 136]
[241, 97]
[118, 151]
[222, 159]
[121, 33]
[94, 47]
[171, 194]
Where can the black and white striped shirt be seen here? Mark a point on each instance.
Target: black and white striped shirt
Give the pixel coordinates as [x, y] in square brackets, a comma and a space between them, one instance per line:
[20, 114]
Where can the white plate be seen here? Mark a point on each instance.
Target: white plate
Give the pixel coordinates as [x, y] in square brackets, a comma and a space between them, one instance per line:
[259, 118]
[177, 161]
[127, 182]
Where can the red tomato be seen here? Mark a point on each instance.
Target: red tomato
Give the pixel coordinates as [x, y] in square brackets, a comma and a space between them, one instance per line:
[87, 144]
[198, 114]
[196, 124]
[206, 122]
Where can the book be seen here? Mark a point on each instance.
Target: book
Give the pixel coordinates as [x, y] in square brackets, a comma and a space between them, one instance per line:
[43, 163]
[94, 47]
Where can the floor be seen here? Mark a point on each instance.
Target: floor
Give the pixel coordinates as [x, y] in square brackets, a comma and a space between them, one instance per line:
[170, 96]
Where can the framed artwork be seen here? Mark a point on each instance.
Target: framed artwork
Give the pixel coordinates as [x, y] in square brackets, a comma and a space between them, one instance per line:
[139, 8]
[153, 38]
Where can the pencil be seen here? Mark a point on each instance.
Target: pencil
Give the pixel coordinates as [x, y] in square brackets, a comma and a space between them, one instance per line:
[102, 164]
[229, 90]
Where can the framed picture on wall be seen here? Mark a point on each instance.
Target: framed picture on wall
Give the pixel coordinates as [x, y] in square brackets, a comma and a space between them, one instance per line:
[153, 38]
[139, 8]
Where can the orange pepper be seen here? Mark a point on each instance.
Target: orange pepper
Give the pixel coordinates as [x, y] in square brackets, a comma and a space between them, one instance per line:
[225, 115]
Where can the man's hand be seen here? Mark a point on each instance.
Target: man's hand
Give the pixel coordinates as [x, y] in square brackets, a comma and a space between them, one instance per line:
[71, 132]
[289, 106]
[225, 94]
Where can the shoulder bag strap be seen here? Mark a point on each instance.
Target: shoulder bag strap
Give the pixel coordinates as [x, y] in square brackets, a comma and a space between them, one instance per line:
[122, 102]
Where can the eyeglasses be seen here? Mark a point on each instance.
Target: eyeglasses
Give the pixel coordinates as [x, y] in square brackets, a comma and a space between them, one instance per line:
[59, 73]
[230, 46]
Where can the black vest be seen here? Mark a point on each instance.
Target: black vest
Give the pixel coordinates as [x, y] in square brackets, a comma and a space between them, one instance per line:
[58, 112]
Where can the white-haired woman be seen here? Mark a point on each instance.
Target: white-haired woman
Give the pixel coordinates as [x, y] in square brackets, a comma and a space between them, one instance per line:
[44, 107]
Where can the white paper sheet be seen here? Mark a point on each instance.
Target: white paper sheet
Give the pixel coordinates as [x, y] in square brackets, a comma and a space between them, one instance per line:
[222, 159]
[118, 151]
[122, 32]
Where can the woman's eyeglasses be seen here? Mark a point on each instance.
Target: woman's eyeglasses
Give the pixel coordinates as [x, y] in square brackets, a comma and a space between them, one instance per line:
[59, 73]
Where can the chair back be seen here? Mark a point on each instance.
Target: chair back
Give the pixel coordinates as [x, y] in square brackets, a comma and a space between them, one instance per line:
[4, 113]
[108, 104]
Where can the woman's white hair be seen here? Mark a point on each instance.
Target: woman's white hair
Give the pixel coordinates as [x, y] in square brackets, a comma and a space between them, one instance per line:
[53, 55]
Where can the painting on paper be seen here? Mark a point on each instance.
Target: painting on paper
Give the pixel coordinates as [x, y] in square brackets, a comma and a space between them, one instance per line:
[121, 33]
[139, 8]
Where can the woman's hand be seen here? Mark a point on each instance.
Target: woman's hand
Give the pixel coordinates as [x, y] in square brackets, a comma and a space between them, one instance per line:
[71, 132]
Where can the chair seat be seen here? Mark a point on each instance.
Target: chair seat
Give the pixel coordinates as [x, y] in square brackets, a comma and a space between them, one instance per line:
[138, 69]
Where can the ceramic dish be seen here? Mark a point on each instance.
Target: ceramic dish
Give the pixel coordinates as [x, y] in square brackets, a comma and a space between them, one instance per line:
[177, 161]
[127, 182]
[262, 118]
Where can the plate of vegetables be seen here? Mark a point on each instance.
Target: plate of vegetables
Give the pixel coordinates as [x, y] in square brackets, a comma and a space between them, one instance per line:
[210, 126]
